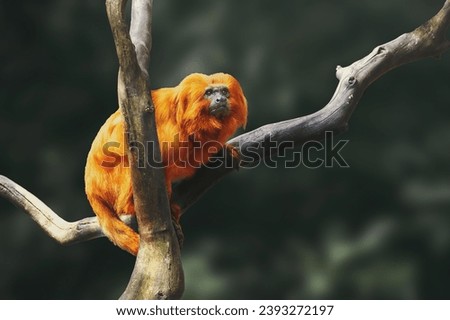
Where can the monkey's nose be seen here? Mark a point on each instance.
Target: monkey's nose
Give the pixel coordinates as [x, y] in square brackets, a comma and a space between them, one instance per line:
[221, 99]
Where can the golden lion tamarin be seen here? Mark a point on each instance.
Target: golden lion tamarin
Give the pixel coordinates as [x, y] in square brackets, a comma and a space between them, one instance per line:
[193, 119]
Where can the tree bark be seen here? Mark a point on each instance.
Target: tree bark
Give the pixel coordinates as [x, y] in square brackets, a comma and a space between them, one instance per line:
[158, 272]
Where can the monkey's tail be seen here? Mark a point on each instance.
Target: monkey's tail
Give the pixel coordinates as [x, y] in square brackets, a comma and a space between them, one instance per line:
[115, 229]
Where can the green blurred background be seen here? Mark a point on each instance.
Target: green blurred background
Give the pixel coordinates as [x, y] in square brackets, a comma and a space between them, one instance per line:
[377, 230]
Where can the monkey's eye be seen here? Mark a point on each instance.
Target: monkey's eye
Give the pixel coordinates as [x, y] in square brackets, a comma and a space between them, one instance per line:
[225, 92]
[208, 92]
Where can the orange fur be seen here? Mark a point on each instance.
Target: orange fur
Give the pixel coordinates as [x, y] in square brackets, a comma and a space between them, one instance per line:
[182, 116]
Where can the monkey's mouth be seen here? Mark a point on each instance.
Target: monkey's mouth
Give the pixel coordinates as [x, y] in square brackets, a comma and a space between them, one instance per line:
[219, 110]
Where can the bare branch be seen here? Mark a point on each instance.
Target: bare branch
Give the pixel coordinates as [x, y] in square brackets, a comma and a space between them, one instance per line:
[429, 40]
[62, 231]
[141, 31]
[57, 228]
[158, 273]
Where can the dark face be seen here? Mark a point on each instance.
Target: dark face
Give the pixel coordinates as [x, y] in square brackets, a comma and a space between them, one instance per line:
[218, 98]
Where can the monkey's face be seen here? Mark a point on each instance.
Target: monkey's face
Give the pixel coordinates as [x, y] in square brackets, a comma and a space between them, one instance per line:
[218, 96]
[207, 103]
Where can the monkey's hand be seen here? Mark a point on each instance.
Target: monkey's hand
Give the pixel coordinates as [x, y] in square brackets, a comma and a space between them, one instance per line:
[235, 155]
